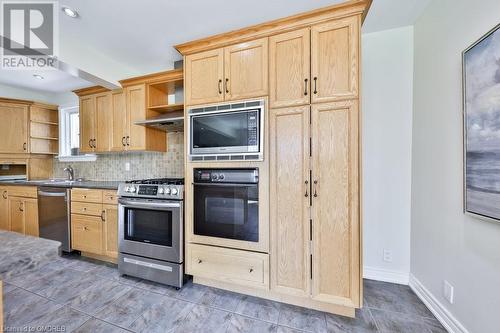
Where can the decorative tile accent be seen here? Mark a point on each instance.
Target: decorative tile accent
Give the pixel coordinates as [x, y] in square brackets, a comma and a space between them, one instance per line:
[111, 166]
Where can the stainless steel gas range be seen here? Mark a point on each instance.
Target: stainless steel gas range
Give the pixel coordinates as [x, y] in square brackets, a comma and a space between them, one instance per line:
[151, 230]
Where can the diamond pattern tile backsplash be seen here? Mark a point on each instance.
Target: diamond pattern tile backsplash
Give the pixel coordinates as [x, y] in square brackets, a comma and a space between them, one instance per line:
[142, 164]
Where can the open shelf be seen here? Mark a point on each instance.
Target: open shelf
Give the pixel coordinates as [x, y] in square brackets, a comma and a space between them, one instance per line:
[167, 107]
[44, 138]
[45, 122]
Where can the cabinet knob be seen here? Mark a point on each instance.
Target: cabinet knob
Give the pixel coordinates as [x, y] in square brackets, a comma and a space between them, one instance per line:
[21, 208]
[128, 140]
[220, 87]
[90, 143]
[24, 146]
[4, 194]
[251, 270]
[227, 86]
[305, 86]
[200, 261]
[307, 188]
[123, 141]
[315, 85]
[103, 217]
[315, 186]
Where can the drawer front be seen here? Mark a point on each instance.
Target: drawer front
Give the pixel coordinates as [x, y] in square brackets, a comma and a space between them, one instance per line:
[85, 195]
[23, 191]
[86, 233]
[110, 198]
[86, 208]
[234, 266]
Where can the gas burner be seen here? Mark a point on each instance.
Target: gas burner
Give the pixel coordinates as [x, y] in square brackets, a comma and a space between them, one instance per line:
[158, 181]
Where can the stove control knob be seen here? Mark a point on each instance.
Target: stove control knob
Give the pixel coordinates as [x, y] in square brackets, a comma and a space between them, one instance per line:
[132, 189]
[174, 191]
[160, 190]
[221, 176]
[126, 189]
[214, 176]
[167, 190]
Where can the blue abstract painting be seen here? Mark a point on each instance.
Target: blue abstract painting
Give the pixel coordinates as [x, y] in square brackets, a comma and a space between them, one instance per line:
[481, 66]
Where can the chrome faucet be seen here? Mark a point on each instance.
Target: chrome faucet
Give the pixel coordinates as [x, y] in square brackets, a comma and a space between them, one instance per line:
[71, 173]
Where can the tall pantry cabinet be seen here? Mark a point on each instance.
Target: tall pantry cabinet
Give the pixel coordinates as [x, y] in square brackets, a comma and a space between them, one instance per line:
[313, 117]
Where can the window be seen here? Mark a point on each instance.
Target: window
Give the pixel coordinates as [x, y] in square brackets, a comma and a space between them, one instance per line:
[69, 136]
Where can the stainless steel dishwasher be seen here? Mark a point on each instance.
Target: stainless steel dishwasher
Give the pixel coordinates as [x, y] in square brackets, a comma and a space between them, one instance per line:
[54, 215]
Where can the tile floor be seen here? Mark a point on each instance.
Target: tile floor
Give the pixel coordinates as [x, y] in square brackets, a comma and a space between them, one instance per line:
[78, 295]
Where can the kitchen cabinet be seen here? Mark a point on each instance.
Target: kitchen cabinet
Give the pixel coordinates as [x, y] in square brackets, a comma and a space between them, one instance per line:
[317, 64]
[13, 128]
[119, 121]
[290, 200]
[94, 223]
[23, 215]
[235, 72]
[4, 208]
[136, 104]
[203, 80]
[87, 124]
[95, 123]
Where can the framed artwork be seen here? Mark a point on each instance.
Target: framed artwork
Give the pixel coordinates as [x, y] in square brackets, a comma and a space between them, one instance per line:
[481, 100]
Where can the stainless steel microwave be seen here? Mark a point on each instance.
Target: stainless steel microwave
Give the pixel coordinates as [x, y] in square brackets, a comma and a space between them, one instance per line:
[233, 131]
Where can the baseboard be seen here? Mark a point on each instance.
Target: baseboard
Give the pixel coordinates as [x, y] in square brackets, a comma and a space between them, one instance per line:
[449, 322]
[386, 275]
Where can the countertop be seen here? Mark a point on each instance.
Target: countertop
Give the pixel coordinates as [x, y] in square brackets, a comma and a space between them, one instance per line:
[105, 185]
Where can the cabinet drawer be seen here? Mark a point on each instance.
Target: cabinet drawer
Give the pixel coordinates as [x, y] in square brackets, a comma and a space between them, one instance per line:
[234, 266]
[23, 191]
[86, 233]
[86, 208]
[85, 195]
[109, 198]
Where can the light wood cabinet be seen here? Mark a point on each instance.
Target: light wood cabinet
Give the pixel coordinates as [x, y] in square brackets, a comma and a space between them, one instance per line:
[231, 73]
[119, 117]
[103, 122]
[31, 217]
[87, 124]
[13, 128]
[94, 222]
[204, 74]
[246, 70]
[335, 204]
[290, 200]
[23, 215]
[16, 214]
[136, 103]
[335, 60]
[289, 69]
[4, 208]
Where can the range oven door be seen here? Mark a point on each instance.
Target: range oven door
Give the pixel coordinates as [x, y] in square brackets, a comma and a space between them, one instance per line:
[151, 228]
[227, 211]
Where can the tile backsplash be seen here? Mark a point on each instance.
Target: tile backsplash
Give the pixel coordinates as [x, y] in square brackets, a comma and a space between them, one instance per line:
[143, 165]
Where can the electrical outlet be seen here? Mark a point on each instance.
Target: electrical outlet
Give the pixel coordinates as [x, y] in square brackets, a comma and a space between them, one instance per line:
[127, 166]
[387, 255]
[448, 291]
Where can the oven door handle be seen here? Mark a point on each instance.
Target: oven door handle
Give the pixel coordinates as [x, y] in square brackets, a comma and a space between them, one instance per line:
[150, 205]
[226, 184]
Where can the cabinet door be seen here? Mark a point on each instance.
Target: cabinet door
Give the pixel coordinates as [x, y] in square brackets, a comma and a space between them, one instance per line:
[203, 74]
[111, 231]
[87, 124]
[334, 60]
[103, 122]
[246, 70]
[14, 128]
[87, 233]
[16, 214]
[119, 121]
[289, 197]
[289, 68]
[136, 110]
[4, 209]
[335, 204]
[31, 217]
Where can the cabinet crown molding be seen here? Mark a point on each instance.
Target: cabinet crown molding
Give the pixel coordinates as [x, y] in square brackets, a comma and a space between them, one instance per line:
[349, 8]
[90, 91]
[28, 103]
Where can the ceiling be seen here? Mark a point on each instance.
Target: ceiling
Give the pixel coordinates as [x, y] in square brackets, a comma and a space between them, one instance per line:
[138, 36]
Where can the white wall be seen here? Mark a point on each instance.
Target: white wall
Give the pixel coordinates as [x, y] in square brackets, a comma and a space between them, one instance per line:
[28, 94]
[387, 121]
[446, 244]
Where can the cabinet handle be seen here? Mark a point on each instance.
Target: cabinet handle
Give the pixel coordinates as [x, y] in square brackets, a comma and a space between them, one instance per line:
[103, 217]
[128, 140]
[4, 194]
[315, 88]
[21, 208]
[227, 88]
[251, 270]
[315, 185]
[220, 86]
[85, 229]
[200, 261]
[305, 87]
[24, 146]
[90, 143]
[123, 141]
[95, 145]
[307, 187]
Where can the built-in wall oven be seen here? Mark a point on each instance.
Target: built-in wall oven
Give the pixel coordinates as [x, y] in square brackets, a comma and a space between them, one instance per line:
[232, 131]
[150, 227]
[226, 203]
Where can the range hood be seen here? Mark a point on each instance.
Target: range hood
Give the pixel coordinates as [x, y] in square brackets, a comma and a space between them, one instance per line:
[168, 122]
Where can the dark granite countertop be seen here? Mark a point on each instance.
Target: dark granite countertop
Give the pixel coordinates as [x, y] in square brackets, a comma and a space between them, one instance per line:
[105, 185]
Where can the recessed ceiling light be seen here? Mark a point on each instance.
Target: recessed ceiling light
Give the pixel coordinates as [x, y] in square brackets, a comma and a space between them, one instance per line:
[70, 12]
[39, 77]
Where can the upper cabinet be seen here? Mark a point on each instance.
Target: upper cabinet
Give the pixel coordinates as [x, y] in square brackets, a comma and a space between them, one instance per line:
[315, 65]
[14, 128]
[231, 73]
[87, 124]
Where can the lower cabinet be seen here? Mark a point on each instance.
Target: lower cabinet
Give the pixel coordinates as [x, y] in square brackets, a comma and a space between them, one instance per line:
[19, 213]
[4, 209]
[94, 222]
